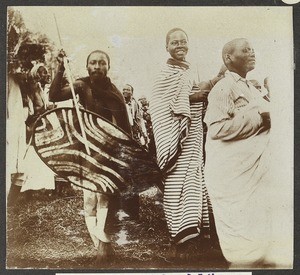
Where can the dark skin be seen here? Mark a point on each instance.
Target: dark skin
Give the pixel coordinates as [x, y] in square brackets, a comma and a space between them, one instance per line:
[206, 86]
[127, 93]
[97, 68]
[43, 76]
[42, 79]
[178, 47]
[239, 57]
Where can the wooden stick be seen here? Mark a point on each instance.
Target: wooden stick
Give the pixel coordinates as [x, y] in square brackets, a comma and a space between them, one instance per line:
[69, 77]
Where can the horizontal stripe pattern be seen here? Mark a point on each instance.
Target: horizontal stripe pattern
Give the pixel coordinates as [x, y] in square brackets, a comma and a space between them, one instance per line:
[178, 133]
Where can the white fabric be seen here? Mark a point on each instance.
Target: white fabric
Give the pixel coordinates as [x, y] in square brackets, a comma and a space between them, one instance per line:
[39, 175]
[237, 169]
[15, 132]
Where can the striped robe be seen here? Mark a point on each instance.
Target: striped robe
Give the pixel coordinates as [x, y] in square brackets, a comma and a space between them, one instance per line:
[178, 134]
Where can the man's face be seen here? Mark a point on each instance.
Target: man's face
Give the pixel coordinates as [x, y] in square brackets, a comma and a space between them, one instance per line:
[127, 93]
[97, 66]
[178, 45]
[242, 59]
[143, 101]
[44, 76]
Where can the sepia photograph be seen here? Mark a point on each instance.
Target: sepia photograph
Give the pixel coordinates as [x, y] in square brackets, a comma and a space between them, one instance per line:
[150, 138]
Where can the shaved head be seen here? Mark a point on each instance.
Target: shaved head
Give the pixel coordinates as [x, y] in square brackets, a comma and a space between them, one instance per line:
[230, 46]
[239, 56]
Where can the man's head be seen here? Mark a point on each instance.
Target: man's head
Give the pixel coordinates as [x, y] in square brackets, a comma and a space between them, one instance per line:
[40, 74]
[143, 100]
[43, 75]
[97, 64]
[177, 44]
[238, 56]
[127, 92]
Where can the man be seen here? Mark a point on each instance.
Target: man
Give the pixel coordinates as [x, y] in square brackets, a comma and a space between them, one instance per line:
[15, 140]
[41, 177]
[137, 124]
[176, 111]
[237, 165]
[98, 94]
[130, 203]
[27, 99]
[147, 119]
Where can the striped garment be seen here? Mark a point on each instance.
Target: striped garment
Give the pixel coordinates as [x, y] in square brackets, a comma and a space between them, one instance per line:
[178, 133]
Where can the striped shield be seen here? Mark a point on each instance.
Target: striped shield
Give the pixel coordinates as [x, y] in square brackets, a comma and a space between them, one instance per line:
[116, 162]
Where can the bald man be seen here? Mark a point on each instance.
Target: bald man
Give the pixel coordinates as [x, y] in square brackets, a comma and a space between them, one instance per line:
[237, 164]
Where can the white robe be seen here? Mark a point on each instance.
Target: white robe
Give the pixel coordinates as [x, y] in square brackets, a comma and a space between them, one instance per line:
[237, 169]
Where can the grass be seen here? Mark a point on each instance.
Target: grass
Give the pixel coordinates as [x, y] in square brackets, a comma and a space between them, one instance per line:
[48, 231]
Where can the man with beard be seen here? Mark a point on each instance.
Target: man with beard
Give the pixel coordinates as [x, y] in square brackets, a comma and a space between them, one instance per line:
[97, 94]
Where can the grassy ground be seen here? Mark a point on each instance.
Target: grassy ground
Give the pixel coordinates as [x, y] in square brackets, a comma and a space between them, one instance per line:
[48, 231]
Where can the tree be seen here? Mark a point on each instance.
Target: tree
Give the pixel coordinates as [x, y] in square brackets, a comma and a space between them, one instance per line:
[24, 47]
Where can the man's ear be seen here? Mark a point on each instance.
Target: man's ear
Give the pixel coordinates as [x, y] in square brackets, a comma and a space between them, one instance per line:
[227, 59]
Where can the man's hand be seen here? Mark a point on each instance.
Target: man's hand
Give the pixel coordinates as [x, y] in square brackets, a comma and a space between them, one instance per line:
[202, 95]
[266, 120]
[61, 55]
[201, 91]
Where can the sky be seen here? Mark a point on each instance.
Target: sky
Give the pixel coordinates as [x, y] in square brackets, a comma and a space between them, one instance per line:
[134, 37]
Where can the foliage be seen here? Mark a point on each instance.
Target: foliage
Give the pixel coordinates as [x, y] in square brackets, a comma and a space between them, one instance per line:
[25, 47]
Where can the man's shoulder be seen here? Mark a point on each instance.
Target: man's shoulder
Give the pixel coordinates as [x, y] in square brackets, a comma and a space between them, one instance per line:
[115, 89]
[224, 85]
[83, 80]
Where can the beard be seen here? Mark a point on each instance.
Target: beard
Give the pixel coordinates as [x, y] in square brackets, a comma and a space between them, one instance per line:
[97, 76]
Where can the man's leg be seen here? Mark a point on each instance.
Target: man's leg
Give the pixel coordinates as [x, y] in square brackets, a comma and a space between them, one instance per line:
[131, 205]
[90, 204]
[102, 209]
[17, 180]
[105, 249]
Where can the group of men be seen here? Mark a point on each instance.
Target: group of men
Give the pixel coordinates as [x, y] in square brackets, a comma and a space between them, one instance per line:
[135, 115]
[236, 170]
[97, 94]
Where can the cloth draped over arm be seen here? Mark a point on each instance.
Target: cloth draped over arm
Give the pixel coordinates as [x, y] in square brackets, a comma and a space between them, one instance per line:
[102, 98]
[237, 168]
[234, 113]
[170, 112]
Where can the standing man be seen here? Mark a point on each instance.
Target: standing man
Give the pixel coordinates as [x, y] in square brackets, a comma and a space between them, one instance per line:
[98, 94]
[130, 203]
[176, 111]
[41, 177]
[137, 124]
[237, 160]
[147, 119]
